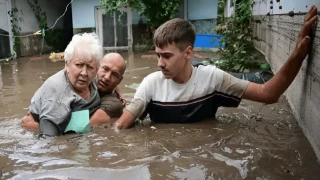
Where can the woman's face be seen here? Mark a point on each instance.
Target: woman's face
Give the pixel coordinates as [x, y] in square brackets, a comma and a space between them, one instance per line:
[81, 71]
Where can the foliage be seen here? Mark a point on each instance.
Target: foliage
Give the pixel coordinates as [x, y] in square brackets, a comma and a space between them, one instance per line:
[53, 38]
[15, 28]
[239, 53]
[155, 11]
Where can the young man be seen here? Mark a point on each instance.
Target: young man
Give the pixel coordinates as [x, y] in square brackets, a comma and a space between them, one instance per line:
[181, 93]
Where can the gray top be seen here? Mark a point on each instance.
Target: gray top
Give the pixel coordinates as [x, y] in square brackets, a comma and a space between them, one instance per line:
[55, 100]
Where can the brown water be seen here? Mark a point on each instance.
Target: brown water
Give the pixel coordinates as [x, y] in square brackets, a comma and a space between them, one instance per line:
[240, 144]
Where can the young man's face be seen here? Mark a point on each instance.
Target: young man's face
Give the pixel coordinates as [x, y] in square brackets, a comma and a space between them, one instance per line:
[172, 61]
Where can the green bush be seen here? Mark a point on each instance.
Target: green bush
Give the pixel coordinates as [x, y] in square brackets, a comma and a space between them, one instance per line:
[239, 54]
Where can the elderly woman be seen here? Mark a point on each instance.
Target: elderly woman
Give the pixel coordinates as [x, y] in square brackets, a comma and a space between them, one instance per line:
[70, 90]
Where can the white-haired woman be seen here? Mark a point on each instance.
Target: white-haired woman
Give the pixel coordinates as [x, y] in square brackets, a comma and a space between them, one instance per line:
[69, 90]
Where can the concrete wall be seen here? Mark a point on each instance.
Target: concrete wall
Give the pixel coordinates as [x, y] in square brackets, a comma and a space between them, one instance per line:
[31, 45]
[53, 9]
[278, 34]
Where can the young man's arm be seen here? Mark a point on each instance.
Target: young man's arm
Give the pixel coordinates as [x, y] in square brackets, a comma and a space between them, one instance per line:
[276, 86]
[138, 105]
[125, 121]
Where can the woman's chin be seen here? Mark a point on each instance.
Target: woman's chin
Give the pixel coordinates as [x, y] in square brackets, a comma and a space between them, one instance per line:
[81, 86]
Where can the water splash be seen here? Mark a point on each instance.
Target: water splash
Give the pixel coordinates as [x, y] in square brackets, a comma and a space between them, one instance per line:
[241, 165]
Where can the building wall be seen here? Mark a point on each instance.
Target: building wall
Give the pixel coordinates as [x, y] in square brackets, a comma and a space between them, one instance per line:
[4, 8]
[278, 33]
[203, 15]
[83, 13]
[5, 29]
[202, 9]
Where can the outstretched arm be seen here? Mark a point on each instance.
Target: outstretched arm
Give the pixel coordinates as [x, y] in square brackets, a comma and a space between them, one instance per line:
[276, 86]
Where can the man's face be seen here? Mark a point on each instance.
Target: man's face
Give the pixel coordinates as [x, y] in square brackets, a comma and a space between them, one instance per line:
[110, 74]
[172, 61]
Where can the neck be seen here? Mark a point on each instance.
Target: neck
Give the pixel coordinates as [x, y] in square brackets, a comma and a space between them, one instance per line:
[184, 76]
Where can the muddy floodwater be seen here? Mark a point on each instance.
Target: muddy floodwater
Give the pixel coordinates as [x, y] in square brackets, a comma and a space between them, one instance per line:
[254, 141]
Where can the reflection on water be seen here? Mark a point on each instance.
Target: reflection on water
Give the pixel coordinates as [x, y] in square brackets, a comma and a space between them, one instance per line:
[239, 144]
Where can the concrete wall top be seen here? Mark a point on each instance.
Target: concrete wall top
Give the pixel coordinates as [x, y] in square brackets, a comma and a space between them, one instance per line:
[262, 7]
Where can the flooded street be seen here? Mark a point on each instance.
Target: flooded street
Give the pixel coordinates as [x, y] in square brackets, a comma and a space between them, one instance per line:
[251, 142]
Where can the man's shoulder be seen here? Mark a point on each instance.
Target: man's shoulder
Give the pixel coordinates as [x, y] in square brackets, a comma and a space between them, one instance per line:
[111, 104]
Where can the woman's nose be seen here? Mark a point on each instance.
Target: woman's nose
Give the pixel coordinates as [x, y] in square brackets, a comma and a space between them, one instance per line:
[84, 71]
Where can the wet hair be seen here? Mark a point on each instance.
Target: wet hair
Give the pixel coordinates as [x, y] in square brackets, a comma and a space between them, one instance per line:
[86, 44]
[176, 31]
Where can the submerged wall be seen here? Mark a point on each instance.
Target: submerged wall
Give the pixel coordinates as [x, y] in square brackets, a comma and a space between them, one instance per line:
[278, 34]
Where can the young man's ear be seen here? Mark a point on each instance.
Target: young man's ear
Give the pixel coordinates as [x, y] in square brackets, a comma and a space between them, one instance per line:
[189, 52]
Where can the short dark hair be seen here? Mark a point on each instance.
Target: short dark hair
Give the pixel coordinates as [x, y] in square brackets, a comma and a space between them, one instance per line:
[176, 31]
